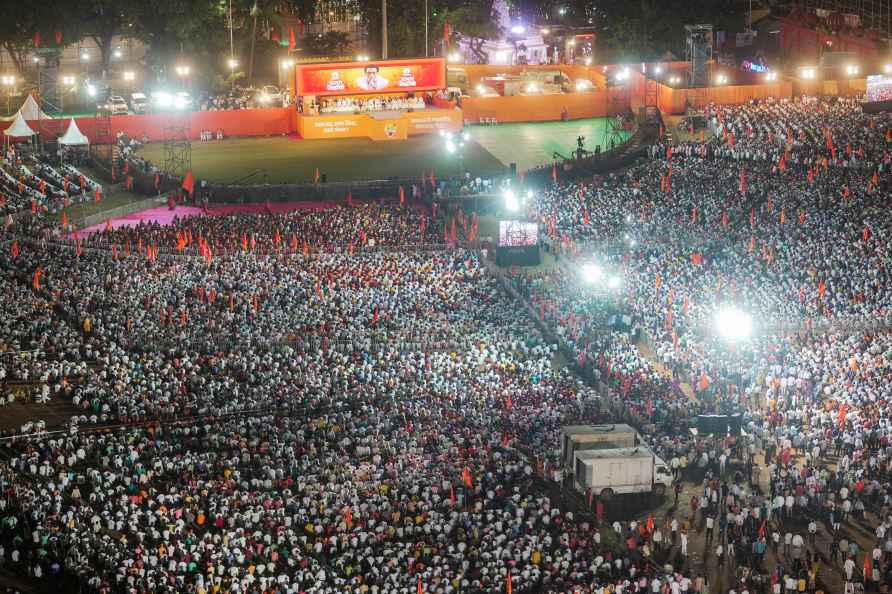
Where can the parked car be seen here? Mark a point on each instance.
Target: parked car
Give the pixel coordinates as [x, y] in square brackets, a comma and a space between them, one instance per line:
[139, 103]
[269, 96]
[115, 105]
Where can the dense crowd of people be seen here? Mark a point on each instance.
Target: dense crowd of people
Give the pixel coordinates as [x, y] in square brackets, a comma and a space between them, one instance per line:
[333, 400]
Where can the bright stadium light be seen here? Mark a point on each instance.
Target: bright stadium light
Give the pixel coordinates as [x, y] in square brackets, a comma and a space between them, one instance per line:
[163, 99]
[658, 70]
[852, 70]
[733, 324]
[511, 202]
[592, 273]
[614, 282]
[129, 75]
[530, 194]
[450, 146]
[91, 90]
[887, 68]
[807, 73]
[771, 76]
[466, 136]
[518, 29]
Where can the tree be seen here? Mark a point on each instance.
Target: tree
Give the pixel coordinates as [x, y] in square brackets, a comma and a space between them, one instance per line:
[174, 28]
[101, 21]
[21, 20]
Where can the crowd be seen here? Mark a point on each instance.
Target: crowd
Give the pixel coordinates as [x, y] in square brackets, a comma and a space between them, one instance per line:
[351, 105]
[374, 412]
[782, 212]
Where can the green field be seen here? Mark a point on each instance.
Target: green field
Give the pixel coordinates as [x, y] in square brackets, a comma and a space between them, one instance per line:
[533, 145]
[289, 160]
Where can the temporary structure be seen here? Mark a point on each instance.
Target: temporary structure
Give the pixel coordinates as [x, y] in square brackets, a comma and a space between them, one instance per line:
[73, 136]
[30, 111]
[19, 128]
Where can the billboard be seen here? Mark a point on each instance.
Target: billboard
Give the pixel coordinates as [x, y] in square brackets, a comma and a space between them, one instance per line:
[879, 88]
[518, 234]
[357, 78]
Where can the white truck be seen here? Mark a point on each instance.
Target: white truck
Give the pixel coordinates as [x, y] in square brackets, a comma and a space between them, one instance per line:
[577, 438]
[621, 471]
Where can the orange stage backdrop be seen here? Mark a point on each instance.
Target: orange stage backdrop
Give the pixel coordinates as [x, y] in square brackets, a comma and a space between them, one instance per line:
[387, 76]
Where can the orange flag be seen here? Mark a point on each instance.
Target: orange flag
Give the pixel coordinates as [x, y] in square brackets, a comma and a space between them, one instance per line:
[508, 586]
[402, 195]
[189, 183]
[37, 274]
[316, 176]
[466, 477]
[420, 589]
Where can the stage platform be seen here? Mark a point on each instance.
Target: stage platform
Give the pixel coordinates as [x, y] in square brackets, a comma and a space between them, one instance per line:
[379, 125]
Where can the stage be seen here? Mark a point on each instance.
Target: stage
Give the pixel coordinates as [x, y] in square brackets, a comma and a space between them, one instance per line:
[379, 125]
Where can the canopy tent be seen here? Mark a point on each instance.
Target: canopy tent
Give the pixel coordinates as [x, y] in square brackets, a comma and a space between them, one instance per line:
[30, 111]
[19, 128]
[73, 136]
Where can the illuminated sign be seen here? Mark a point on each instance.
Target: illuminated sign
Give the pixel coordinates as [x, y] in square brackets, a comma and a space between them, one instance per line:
[354, 78]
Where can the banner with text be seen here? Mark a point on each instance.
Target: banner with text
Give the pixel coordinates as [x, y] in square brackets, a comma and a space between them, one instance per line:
[388, 76]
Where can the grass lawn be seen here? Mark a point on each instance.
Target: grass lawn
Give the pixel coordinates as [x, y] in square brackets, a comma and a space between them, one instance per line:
[288, 160]
[533, 145]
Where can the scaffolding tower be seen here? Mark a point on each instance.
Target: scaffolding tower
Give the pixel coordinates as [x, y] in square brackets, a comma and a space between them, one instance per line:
[698, 54]
[49, 114]
[875, 15]
[102, 142]
[177, 146]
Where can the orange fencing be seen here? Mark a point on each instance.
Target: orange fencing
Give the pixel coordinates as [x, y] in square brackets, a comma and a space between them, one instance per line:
[544, 108]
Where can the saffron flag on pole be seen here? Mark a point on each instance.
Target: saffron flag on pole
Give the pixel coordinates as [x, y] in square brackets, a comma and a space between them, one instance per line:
[189, 183]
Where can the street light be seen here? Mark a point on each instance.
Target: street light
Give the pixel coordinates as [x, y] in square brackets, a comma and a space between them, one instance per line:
[233, 64]
[182, 71]
[721, 79]
[8, 82]
[67, 85]
[129, 76]
[117, 53]
[807, 73]
[85, 56]
[852, 69]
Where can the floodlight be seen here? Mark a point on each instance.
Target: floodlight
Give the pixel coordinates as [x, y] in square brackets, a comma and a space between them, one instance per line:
[592, 273]
[733, 324]
[511, 202]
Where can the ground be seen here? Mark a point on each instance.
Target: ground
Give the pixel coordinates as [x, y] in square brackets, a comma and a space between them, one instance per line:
[289, 160]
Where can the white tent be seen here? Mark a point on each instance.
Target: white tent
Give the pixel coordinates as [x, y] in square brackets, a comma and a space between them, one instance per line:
[30, 111]
[73, 136]
[19, 128]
